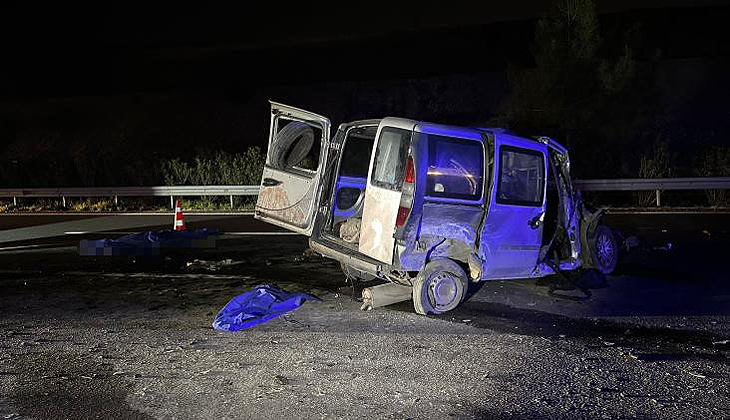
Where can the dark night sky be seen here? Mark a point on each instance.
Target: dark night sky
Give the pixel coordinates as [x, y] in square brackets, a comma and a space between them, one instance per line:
[67, 50]
[72, 71]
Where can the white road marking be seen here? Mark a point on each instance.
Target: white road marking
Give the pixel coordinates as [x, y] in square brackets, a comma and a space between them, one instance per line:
[96, 233]
[691, 212]
[101, 223]
[11, 248]
[259, 233]
[223, 233]
[19, 247]
[171, 213]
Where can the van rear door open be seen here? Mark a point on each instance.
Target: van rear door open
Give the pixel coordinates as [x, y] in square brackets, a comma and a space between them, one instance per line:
[384, 188]
[295, 160]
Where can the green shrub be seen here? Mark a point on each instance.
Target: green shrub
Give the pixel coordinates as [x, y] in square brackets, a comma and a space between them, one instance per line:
[92, 204]
[6, 205]
[655, 165]
[219, 168]
[715, 161]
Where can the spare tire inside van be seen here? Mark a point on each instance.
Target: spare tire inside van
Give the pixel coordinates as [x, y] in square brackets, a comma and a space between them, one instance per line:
[291, 145]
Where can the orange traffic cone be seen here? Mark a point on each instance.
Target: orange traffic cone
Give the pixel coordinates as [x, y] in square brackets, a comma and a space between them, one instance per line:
[179, 221]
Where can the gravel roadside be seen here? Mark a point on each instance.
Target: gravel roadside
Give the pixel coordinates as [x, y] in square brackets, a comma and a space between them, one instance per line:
[114, 343]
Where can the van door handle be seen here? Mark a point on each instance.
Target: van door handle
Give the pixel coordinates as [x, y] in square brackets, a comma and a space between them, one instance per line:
[270, 182]
[536, 221]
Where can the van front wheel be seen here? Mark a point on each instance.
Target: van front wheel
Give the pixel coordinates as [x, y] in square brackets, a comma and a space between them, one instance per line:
[440, 287]
[605, 249]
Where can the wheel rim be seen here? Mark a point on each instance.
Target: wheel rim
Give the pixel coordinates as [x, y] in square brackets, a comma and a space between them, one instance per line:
[605, 250]
[443, 291]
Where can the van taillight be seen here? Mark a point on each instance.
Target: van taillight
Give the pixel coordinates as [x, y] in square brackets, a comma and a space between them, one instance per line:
[410, 172]
[402, 216]
[406, 200]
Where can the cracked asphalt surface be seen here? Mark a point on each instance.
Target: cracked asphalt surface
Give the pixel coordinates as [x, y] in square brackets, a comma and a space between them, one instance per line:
[86, 338]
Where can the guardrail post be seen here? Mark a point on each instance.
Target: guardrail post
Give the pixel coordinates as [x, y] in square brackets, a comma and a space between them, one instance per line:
[63, 200]
[231, 201]
[15, 201]
[116, 199]
[172, 203]
[658, 198]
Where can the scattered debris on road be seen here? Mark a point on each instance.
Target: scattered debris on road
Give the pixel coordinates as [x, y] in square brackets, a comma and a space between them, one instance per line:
[206, 265]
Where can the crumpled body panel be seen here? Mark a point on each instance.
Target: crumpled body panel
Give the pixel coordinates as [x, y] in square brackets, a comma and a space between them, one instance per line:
[445, 230]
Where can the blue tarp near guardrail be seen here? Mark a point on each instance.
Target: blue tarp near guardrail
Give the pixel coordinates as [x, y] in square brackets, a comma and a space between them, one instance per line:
[258, 305]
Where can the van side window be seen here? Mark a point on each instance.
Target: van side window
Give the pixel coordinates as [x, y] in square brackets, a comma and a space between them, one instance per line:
[521, 177]
[358, 147]
[390, 158]
[455, 168]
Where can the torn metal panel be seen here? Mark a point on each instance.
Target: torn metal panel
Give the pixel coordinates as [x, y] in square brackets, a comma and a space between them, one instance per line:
[588, 222]
[544, 269]
[571, 199]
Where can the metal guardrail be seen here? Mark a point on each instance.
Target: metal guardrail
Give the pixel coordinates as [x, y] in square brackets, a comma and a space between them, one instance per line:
[116, 192]
[625, 184]
[653, 184]
[647, 184]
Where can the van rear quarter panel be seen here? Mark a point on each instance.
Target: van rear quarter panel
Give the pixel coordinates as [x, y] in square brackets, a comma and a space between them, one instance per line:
[445, 230]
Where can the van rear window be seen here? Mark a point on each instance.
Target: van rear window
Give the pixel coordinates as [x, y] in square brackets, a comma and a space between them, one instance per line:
[455, 168]
[390, 158]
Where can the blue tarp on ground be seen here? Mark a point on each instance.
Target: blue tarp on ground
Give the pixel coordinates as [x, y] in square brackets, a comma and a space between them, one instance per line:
[149, 243]
[258, 305]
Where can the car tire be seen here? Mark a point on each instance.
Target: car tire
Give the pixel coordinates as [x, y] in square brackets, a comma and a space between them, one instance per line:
[440, 287]
[291, 145]
[355, 274]
[605, 249]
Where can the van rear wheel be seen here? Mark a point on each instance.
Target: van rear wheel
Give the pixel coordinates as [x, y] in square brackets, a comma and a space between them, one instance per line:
[440, 287]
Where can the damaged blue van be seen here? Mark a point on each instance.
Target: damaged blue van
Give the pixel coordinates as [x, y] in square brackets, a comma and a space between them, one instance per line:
[428, 206]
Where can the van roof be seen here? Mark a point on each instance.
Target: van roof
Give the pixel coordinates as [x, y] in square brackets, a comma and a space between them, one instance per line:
[473, 132]
[466, 132]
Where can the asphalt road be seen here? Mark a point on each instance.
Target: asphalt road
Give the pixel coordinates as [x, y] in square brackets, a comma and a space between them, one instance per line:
[107, 338]
[52, 228]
